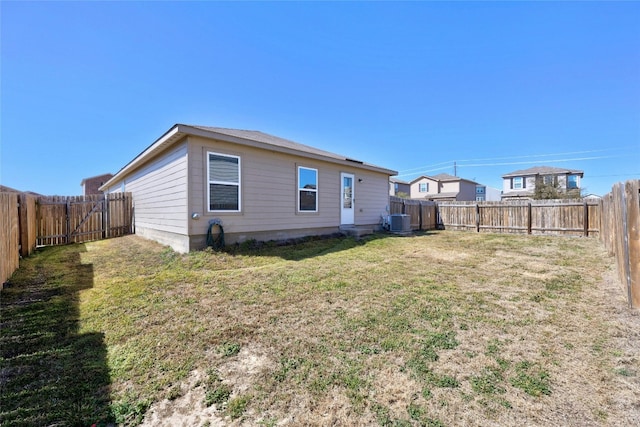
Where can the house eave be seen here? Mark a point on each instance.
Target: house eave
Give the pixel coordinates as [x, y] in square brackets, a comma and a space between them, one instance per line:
[179, 131]
[329, 157]
[165, 141]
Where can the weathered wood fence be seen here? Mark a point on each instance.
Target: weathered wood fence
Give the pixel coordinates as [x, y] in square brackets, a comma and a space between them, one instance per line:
[29, 221]
[77, 219]
[621, 235]
[424, 214]
[615, 220]
[10, 235]
[561, 217]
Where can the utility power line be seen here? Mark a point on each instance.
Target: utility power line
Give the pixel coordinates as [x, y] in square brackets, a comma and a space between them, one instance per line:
[529, 162]
[429, 168]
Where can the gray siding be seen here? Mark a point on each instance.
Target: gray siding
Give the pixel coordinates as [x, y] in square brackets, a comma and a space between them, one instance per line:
[159, 191]
[467, 191]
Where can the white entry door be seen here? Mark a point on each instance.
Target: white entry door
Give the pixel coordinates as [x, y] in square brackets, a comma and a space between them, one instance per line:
[347, 208]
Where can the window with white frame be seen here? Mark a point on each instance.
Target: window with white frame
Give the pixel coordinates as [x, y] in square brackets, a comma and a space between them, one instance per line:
[223, 176]
[517, 183]
[549, 180]
[307, 189]
[423, 187]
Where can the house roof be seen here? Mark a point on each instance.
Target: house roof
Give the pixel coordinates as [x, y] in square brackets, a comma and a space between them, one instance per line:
[449, 195]
[443, 177]
[543, 170]
[5, 189]
[250, 138]
[399, 181]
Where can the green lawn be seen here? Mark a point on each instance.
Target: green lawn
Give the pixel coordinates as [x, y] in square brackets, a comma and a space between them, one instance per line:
[439, 329]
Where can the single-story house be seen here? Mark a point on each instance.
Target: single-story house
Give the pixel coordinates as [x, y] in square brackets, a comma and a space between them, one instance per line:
[258, 186]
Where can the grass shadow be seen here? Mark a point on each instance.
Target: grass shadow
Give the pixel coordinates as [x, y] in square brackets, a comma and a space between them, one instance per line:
[305, 247]
[50, 374]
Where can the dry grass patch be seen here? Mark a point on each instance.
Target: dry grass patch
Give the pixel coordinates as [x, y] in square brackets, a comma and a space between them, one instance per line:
[436, 329]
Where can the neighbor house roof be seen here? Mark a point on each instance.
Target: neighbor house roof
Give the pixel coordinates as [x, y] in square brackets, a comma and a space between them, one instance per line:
[399, 181]
[443, 177]
[250, 138]
[449, 195]
[5, 189]
[543, 170]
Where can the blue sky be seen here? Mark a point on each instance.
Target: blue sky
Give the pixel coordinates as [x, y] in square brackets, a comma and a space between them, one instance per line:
[411, 86]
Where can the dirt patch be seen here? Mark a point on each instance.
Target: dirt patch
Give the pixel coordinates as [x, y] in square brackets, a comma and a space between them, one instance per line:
[189, 409]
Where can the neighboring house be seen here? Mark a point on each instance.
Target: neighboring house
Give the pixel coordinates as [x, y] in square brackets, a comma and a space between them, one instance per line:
[487, 194]
[92, 185]
[399, 187]
[257, 185]
[592, 197]
[522, 183]
[442, 187]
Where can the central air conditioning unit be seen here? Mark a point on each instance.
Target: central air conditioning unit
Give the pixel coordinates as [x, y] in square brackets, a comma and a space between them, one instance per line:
[400, 223]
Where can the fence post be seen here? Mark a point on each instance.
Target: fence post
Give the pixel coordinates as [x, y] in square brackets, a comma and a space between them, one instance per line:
[68, 230]
[632, 192]
[529, 218]
[625, 246]
[586, 219]
[105, 216]
[477, 217]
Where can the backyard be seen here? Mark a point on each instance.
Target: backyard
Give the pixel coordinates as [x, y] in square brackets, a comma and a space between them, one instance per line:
[437, 329]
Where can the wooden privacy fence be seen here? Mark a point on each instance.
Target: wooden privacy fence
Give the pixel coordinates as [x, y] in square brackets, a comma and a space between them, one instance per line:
[28, 221]
[621, 235]
[10, 235]
[563, 217]
[423, 213]
[76, 219]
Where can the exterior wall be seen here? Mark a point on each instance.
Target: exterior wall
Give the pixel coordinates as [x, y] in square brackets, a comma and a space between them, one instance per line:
[92, 185]
[197, 242]
[414, 188]
[401, 188]
[467, 191]
[451, 187]
[159, 190]
[492, 194]
[506, 185]
[269, 194]
[530, 183]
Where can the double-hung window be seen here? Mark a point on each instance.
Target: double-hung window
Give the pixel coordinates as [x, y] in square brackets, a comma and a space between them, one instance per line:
[423, 187]
[223, 176]
[517, 183]
[307, 189]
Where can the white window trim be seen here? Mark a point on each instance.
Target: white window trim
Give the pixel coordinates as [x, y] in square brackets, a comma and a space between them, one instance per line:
[314, 190]
[238, 184]
[426, 187]
[521, 180]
